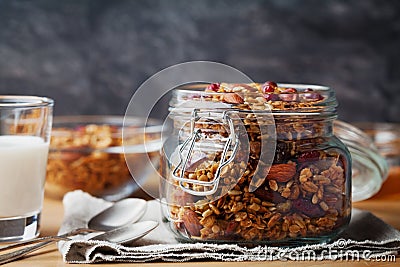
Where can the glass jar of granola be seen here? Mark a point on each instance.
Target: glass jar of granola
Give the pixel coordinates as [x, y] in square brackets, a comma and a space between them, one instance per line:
[255, 163]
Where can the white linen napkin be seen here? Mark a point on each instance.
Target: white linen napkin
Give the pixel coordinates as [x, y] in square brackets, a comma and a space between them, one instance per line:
[366, 237]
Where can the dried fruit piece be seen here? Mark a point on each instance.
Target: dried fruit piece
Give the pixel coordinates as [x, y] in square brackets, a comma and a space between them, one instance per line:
[233, 98]
[267, 195]
[308, 156]
[306, 207]
[214, 87]
[290, 90]
[271, 97]
[282, 152]
[309, 94]
[281, 172]
[191, 222]
[231, 228]
[269, 87]
[289, 95]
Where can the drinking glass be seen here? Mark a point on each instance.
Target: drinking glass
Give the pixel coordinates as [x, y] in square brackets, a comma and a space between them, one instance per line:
[25, 126]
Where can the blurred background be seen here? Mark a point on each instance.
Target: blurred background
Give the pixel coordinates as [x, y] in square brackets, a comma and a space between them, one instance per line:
[91, 56]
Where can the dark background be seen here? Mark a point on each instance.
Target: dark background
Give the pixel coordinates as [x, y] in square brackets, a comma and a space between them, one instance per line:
[91, 55]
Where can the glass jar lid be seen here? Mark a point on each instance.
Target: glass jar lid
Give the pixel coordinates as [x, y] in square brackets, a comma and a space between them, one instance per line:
[386, 137]
[369, 168]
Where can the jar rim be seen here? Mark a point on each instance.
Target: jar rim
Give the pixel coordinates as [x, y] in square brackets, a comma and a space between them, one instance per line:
[302, 102]
[23, 101]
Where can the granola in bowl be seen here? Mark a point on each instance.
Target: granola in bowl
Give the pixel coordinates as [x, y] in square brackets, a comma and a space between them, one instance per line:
[86, 152]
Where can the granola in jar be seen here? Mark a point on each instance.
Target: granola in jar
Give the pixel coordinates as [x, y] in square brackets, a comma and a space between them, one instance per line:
[221, 187]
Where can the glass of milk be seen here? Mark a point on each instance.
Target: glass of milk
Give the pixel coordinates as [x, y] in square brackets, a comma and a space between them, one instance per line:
[25, 126]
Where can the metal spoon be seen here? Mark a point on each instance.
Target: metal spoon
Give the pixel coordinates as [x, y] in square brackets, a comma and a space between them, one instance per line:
[123, 235]
[128, 233]
[123, 212]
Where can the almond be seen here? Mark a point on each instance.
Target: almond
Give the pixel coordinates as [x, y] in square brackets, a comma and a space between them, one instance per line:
[281, 172]
[233, 98]
[191, 222]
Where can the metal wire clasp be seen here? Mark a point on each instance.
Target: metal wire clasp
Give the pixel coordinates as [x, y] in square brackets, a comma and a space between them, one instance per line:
[231, 142]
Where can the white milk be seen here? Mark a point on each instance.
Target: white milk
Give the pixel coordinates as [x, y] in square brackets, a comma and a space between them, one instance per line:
[23, 162]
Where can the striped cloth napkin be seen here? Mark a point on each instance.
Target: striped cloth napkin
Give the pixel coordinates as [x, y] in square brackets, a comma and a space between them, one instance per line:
[367, 237]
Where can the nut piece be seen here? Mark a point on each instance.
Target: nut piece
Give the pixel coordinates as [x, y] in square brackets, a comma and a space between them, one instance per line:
[191, 222]
[281, 172]
[233, 98]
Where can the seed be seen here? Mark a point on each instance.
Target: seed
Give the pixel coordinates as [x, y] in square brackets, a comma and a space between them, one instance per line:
[234, 192]
[295, 192]
[310, 187]
[216, 229]
[203, 178]
[273, 185]
[254, 207]
[260, 99]
[294, 228]
[267, 204]
[286, 192]
[314, 199]
[214, 209]
[333, 189]
[323, 206]
[207, 213]
[246, 223]
[273, 220]
[240, 216]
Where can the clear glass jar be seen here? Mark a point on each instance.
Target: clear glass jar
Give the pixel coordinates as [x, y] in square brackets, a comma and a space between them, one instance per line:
[242, 166]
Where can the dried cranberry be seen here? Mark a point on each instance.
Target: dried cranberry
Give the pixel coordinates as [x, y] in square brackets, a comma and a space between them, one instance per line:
[81, 129]
[290, 90]
[311, 95]
[213, 87]
[308, 156]
[268, 195]
[282, 152]
[271, 97]
[306, 207]
[231, 228]
[269, 87]
[289, 95]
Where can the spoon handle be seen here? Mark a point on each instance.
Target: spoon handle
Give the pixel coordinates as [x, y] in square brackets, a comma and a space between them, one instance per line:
[11, 256]
[47, 238]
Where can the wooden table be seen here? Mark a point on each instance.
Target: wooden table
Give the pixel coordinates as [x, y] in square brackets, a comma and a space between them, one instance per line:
[385, 205]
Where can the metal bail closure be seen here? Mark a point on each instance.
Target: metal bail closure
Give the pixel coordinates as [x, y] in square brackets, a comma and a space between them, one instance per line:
[231, 143]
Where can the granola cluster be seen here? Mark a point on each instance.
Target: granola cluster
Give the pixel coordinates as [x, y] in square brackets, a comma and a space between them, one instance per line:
[303, 195]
